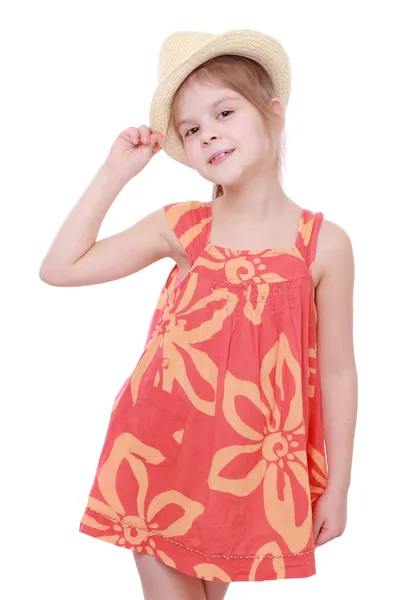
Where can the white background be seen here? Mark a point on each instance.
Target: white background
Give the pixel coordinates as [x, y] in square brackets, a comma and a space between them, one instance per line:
[75, 74]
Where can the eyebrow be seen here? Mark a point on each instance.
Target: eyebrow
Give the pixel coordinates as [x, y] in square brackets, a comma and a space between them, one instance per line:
[213, 105]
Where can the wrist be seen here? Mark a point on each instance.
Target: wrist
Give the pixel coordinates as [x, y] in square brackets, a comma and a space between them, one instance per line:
[339, 489]
[112, 172]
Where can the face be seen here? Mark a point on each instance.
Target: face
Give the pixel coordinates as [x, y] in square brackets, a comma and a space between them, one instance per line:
[212, 119]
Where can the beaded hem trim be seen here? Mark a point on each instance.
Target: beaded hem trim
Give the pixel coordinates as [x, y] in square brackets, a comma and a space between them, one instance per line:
[201, 552]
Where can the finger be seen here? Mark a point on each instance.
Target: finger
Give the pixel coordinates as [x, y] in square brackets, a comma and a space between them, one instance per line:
[144, 134]
[316, 530]
[155, 138]
[135, 136]
[131, 134]
[156, 149]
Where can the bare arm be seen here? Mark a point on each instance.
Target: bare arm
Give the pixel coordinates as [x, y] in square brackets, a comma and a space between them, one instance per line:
[75, 258]
[334, 300]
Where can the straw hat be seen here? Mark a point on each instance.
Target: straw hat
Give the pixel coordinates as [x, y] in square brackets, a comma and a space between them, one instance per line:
[183, 51]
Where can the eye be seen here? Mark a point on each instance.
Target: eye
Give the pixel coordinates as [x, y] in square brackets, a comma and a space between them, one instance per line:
[188, 134]
[226, 111]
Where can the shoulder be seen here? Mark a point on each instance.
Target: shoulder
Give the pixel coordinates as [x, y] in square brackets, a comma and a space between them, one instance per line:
[179, 219]
[334, 249]
[186, 209]
[333, 238]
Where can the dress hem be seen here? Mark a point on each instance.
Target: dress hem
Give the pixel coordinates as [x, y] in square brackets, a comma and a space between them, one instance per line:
[196, 563]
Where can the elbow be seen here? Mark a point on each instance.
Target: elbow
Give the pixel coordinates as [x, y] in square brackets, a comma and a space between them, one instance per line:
[50, 277]
[44, 276]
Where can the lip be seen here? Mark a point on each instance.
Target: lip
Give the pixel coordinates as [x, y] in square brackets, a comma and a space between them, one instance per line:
[219, 152]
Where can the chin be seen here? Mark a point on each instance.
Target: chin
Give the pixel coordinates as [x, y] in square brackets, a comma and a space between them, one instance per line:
[229, 179]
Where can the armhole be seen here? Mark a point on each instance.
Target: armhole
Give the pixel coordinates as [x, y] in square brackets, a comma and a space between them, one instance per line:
[189, 220]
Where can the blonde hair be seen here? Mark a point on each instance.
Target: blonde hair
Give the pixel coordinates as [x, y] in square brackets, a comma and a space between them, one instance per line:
[249, 79]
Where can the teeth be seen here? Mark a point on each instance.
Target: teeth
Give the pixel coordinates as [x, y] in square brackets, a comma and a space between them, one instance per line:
[219, 155]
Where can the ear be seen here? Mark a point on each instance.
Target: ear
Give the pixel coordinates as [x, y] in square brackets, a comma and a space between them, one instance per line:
[278, 108]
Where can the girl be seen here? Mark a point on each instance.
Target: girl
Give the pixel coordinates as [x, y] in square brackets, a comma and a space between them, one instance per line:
[213, 469]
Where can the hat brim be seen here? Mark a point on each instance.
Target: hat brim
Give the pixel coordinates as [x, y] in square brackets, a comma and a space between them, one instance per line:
[265, 50]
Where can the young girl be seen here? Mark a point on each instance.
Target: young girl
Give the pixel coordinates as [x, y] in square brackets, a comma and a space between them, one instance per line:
[213, 469]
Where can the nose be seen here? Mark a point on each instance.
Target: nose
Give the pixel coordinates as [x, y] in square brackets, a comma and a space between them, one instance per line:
[206, 137]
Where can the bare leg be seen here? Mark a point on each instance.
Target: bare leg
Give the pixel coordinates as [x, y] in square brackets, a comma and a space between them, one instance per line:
[215, 590]
[160, 582]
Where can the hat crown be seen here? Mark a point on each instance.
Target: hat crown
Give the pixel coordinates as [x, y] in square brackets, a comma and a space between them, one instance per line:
[178, 47]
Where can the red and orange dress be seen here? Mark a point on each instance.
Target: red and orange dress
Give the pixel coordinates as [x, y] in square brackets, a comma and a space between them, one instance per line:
[214, 455]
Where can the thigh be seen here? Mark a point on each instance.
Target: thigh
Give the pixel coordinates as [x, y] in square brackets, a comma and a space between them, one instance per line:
[161, 581]
[215, 590]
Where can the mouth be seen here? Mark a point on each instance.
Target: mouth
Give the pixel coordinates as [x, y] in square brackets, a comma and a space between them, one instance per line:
[220, 157]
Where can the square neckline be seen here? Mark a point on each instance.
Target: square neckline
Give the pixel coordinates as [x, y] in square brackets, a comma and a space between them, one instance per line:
[209, 244]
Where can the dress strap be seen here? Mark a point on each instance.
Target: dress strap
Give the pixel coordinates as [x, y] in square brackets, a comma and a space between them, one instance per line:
[307, 235]
[189, 221]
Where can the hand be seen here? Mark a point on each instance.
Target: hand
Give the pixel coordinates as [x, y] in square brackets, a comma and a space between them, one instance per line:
[132, 150]
[329, 516]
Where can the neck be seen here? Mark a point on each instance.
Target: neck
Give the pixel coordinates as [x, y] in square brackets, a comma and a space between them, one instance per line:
[260, 197]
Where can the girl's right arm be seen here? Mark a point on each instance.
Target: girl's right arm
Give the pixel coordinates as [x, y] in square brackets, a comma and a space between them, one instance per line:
[75, 258]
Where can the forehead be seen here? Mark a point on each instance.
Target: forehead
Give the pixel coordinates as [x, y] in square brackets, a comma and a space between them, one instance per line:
[195, 97]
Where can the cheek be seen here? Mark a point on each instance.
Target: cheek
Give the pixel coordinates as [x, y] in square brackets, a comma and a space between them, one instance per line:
[257, 140]
[188, 151]
[194, 155]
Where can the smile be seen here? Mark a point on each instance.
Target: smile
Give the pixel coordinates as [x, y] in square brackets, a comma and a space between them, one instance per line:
[221, 157]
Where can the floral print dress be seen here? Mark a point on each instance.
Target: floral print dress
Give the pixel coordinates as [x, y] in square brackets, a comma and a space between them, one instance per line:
[214, 455]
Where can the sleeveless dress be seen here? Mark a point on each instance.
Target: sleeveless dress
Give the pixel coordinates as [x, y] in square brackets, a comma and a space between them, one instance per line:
[214, 455]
